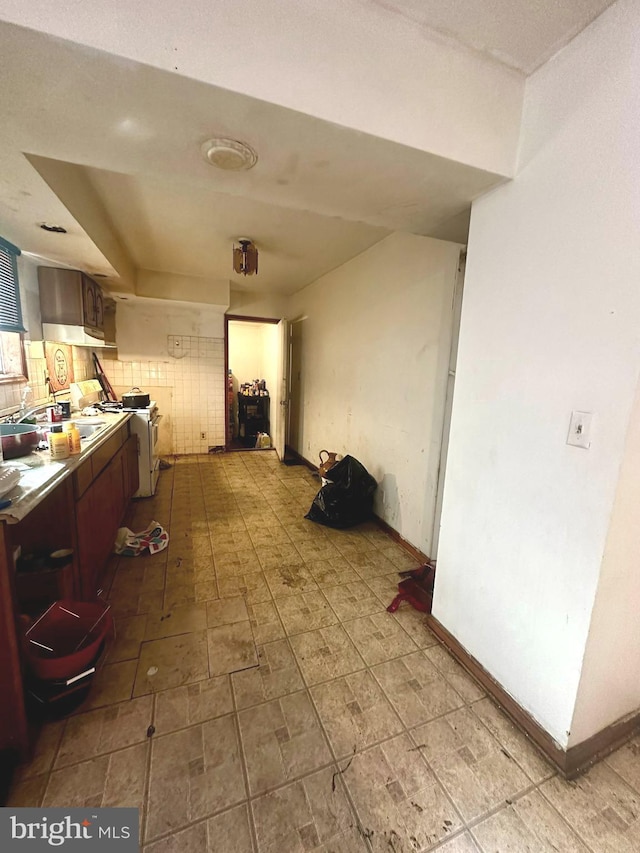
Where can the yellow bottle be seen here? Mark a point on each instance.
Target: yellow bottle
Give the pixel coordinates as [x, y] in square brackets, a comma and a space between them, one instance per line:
[58, 443]
[73, 437]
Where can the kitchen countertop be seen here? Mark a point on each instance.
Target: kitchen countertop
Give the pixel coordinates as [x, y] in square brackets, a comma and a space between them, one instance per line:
[39, 475]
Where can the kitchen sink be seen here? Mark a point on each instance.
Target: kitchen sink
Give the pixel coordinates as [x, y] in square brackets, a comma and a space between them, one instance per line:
[88, 431]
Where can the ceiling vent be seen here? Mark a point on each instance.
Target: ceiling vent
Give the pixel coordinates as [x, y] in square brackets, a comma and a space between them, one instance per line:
[229, 154]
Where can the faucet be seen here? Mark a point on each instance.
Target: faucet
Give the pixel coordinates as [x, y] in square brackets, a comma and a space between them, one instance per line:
[24, 415]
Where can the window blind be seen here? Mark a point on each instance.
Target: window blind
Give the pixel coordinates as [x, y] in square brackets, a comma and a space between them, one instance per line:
[10, 310]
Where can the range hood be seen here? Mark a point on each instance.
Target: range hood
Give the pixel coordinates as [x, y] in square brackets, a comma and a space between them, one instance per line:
[74, 309]
[78, 336]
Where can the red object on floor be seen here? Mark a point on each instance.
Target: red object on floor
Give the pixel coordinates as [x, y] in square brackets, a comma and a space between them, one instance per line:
[417, 590]
[66, 638]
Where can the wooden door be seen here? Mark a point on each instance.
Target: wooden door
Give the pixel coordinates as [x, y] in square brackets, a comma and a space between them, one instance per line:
[280, 417]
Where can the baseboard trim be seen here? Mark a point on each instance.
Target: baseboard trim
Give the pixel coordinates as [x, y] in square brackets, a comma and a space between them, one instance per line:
[569, 762]
[583, 755]
[289, 451]
[393, 534]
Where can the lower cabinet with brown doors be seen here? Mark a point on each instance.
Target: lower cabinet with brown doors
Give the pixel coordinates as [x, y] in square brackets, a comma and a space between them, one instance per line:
[100, 506]
[83, 514]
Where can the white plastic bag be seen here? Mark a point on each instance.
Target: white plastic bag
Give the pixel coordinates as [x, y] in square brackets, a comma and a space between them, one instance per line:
[263, 440]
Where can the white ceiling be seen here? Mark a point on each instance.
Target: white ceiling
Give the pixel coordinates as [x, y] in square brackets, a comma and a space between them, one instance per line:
[319, 195]
[168, 229]
[522, 34]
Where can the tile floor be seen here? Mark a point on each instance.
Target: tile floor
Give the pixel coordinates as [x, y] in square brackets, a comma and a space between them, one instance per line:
[292, 713]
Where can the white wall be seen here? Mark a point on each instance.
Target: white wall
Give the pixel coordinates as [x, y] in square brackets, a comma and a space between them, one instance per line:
[610, 680]
[550, 323]
[295, 55]
[375, 348]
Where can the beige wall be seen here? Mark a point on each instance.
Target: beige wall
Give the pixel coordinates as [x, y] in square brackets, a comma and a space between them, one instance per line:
[375, 339]
[246, 355]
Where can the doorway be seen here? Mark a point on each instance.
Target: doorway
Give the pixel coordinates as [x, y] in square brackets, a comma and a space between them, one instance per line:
[252, 353]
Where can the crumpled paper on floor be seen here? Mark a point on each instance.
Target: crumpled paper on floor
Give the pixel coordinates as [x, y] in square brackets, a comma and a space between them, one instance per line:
[152, 539]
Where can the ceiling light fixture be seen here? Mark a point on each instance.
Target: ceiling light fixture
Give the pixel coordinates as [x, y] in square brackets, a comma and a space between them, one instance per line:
[229, 154]
[245, 257]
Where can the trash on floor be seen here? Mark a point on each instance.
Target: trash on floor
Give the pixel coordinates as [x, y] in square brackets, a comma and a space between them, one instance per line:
[416, 589]
[263, 440]
[164, 465]
[66, 637]
[151, 540]
[347, 497]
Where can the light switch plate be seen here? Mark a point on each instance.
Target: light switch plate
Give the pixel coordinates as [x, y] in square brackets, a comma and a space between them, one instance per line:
[580, 429]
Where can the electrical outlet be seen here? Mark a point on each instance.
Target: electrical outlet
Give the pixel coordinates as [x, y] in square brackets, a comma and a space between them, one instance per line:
[203, 435]
[580, 430]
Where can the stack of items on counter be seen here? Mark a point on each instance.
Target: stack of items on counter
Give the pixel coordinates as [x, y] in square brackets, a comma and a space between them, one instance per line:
[61, 435]
[257, 388]
[62, 649]
[64, 441]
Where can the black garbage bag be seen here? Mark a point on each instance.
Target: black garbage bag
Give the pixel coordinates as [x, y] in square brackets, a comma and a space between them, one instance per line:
[347, 499]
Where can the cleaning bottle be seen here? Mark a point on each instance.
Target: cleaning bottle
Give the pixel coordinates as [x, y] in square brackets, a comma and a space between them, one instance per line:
[73, 437]
[58, 443]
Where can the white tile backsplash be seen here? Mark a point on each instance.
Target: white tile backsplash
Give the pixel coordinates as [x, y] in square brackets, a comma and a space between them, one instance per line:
[196, 378]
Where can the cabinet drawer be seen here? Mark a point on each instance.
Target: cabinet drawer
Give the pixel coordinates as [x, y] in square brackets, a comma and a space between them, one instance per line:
[82, 478]
[103, 455]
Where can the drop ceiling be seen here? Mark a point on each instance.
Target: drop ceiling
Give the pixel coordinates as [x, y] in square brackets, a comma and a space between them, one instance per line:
[129, 137]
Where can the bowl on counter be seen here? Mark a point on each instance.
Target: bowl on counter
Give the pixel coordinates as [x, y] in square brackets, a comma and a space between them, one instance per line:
[18, 439]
